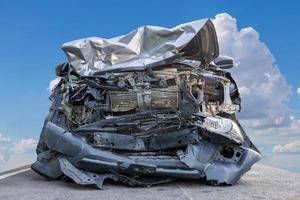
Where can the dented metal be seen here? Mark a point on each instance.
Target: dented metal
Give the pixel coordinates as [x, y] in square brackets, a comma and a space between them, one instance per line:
[146, 108]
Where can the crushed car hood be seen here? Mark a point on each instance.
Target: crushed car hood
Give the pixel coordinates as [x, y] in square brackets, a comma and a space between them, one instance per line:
[147, 46]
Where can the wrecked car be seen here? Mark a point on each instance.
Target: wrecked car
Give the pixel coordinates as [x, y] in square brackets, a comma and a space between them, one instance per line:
[148, 107]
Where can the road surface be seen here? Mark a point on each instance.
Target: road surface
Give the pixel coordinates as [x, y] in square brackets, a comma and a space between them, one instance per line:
[262, 182]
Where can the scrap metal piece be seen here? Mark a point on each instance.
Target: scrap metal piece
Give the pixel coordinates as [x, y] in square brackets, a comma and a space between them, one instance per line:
[229, 173]
[49, 168]
[198, 156]
[83, 177]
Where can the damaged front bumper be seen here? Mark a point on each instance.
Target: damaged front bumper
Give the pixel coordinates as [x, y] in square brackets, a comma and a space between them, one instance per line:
[87, 165]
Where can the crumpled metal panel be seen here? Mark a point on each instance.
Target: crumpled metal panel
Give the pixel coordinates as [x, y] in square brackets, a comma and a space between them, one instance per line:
[144, 47]
[83, 177]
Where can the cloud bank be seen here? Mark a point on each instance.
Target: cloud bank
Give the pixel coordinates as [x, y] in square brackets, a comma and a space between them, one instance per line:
[264, 89]
[293, 147]
[264, 92]
[14, 153]
[4, 148]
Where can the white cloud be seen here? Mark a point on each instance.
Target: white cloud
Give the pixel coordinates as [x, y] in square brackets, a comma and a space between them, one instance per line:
[244, 91]
[298, 91]
[292, 130]
[14, 153]
[5, 145]
[3, 139]
[293, 147]
[25, 145]
[264, 90]
[53, 84]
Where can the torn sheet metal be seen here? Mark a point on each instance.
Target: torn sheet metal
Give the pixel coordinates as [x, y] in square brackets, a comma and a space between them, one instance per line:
[144, 47]
[145, 108]
[83, 177]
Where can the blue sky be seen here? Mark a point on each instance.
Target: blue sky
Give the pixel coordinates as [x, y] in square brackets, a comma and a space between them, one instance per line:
[32, 32]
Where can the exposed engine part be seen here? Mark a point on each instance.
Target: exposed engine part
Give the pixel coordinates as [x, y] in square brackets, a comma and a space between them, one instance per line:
[144, 99]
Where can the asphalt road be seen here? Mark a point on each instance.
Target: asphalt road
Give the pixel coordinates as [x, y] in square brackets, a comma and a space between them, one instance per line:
[262, 182]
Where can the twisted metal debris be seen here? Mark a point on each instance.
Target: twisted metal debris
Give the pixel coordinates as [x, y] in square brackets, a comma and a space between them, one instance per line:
[145, 108]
